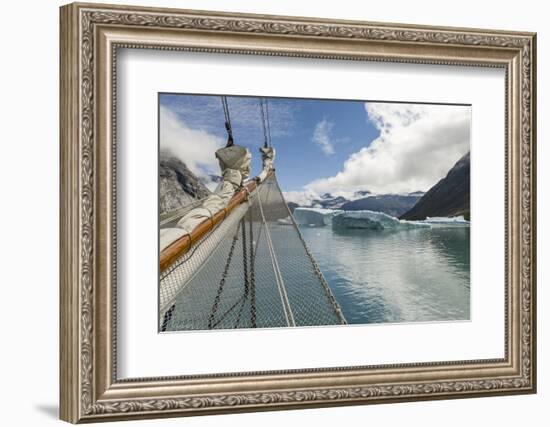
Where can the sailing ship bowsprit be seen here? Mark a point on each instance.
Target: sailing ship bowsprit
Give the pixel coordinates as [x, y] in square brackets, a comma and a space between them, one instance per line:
[237, 259]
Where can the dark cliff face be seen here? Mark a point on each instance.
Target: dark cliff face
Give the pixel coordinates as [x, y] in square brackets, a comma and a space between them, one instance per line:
[391, 204]
[178, 186]
[328, 201]
[292, 206]
[449, 197]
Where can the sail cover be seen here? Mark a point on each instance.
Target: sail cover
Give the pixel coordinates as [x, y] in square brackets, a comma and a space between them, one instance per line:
[253, 270]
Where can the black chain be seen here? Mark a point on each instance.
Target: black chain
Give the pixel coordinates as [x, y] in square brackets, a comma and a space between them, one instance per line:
[247, 281]
[222, 281]
[245, 276]
[252, 274]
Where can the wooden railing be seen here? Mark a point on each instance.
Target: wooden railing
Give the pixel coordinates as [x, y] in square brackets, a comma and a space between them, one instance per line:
[184, 243]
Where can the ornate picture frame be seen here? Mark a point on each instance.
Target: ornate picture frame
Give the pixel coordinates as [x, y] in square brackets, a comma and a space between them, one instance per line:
[90, 37]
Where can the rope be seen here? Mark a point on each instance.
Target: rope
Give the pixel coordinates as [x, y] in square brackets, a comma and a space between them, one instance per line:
[178, 213]
[260, 101]
[278, 276]
[262, 227]
[264, 109]
[228, 127]
[268, 125]
[216, 294]
[318, 271]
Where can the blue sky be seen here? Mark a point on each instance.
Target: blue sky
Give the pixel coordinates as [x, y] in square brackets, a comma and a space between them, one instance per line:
[323, 145]
[299, 159]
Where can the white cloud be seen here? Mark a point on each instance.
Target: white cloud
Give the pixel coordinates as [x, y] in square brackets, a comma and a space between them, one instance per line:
[302, 198]
[322, 136]
[194, 147]
[205, 112]
[417, 146]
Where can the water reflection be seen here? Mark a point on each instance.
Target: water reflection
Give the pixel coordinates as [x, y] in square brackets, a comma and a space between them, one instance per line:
[396, 276]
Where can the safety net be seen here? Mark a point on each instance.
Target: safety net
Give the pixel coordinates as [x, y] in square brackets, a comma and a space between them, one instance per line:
[253, 270]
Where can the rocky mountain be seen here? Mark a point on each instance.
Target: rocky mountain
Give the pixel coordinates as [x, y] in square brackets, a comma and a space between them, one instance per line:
[391, 204]
[178, 186]
[449, 197]
[328, 201]
[292, 206]
[215, 179]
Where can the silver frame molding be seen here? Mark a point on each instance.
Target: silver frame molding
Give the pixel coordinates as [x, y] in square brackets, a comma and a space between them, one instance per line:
[90, 37]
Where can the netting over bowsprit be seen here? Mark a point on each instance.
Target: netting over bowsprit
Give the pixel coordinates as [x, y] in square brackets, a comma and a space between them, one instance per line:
[253, 270]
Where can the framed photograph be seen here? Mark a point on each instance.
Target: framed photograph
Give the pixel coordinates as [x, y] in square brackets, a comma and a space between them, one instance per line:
[266, 212]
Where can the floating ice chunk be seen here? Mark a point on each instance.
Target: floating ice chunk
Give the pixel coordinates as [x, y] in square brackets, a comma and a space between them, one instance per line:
[446, 220]
[440, 221]
[371, 220]
[314, 217]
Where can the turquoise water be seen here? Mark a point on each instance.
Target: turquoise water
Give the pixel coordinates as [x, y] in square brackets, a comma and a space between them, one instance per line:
[416, 275]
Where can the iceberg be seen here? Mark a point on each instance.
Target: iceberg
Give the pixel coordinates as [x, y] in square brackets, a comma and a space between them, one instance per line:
[371, 220]
[441, 221]
[313, 217]
[446, 220]
[366, 219]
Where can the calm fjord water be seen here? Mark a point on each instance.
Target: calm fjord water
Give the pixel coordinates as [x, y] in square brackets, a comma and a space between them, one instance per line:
[416, 275]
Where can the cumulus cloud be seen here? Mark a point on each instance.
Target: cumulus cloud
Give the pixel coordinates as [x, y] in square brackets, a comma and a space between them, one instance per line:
[322, 136]
[302, 198]
[194, 147]
[417, 146]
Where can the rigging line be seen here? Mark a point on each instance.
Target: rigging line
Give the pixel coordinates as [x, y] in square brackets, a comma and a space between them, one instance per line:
[180, 212]
[278, 276]
[263, 224]
[225, 109]
[228, 127]
[267, 120]
[336, 307]
[261, 102]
